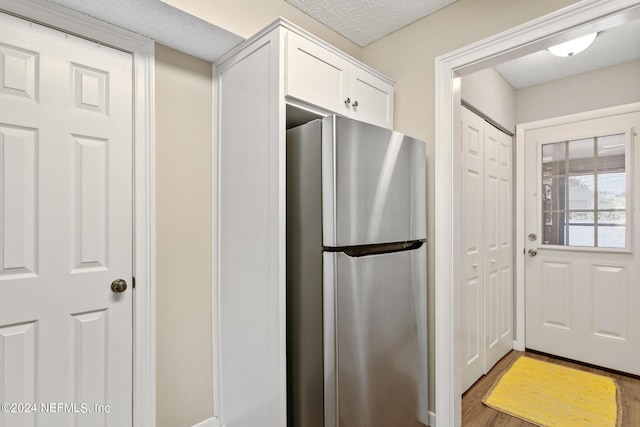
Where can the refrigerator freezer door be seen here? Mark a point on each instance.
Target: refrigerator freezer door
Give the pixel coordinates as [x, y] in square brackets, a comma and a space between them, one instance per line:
[375, 339]
[373, 184]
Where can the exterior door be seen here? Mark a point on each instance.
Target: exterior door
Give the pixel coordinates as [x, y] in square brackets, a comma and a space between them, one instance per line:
[66, 228]
[582, 268]
[487, 239]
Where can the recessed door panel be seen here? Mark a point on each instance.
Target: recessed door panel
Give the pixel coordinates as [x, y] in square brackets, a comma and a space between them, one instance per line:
[610, 301]
[556, 295]
[19, 196]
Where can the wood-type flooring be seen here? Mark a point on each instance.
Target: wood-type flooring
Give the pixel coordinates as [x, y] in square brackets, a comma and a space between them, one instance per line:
[475, 413]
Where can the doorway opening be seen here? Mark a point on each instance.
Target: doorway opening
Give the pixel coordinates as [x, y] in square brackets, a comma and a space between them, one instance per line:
[569, 23]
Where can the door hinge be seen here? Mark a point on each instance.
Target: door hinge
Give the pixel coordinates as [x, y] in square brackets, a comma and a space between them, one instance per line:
[133, 282]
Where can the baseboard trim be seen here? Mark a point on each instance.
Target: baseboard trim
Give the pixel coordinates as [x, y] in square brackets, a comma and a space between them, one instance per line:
[210, 422]
[432, 419]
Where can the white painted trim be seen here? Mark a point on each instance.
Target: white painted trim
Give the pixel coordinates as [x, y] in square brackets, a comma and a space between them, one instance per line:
[142, 49]
[432, 419]
[210, 422]
[215, 255]
[525, 38]
[521, 131]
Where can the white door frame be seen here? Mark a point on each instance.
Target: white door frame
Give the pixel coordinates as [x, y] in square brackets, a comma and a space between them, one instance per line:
[142, 50]
[565, 24]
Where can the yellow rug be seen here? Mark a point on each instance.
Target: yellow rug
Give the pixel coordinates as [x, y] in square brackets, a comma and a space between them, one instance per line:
[552, 395]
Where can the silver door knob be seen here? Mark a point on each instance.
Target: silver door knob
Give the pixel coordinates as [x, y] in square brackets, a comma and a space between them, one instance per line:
[118, 286]
[532, 252]
[355, 104]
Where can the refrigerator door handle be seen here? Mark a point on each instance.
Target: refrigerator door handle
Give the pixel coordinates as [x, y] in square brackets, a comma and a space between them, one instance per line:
[386, 248]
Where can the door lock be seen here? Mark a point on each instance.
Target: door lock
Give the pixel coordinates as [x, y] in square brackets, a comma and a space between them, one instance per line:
[532, 237]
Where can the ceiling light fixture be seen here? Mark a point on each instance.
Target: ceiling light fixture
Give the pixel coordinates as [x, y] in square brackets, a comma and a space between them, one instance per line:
[573, 47]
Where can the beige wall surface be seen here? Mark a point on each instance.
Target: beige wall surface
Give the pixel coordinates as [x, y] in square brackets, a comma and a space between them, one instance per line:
[607, 87]
[183, 232]
[247, 17]
[488, 92]
[408, 57]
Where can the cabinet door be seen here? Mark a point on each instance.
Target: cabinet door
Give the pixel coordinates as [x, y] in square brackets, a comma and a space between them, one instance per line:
[315, 75]
[371, 98]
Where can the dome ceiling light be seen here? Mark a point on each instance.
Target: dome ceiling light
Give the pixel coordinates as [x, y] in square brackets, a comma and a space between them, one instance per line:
[573, 47]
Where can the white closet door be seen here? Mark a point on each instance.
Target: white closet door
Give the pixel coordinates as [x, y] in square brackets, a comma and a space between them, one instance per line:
[472, 246]
[498, 245]
[487, 239]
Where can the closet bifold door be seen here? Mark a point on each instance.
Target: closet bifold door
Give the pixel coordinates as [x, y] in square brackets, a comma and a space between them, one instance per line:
[487, 239]
[472, 207]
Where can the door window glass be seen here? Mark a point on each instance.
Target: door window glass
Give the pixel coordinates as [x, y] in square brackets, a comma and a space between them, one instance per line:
[584, 192]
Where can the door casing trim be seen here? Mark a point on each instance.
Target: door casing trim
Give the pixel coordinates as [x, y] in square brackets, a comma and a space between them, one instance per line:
[559, 26]
[143, 52]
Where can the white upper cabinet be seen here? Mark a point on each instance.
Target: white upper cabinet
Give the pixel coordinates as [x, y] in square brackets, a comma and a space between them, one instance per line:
[371, 98]
[316, 75]
[319, 76]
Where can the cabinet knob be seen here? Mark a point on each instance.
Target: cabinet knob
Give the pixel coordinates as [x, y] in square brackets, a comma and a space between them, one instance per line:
[347, 101]
[355, 104]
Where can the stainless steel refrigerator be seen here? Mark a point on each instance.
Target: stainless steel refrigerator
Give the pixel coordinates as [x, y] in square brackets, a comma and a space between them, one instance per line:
[356, 276]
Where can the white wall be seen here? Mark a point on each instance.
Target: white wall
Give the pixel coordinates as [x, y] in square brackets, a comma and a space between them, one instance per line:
[607, 87]
[486, 91]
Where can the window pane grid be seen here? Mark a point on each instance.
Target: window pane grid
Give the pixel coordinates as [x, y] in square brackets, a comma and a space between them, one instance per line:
[584, 192]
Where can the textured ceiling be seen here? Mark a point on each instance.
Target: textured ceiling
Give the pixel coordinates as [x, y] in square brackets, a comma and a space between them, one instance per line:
[613, 46]
[362, 21]
[160, 22]
[365, 21]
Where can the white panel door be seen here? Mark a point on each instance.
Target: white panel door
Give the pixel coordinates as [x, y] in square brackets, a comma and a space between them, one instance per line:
[65, 228]
[487, 241]
[472, 246]
[498, 244]
[582, 271]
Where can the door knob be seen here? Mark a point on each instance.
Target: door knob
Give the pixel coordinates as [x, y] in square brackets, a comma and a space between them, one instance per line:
[532, 252]
[355, 104]
[118, 286]
[347, 101]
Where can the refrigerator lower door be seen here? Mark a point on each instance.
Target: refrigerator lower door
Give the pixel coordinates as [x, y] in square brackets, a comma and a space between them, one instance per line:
[375, 341]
